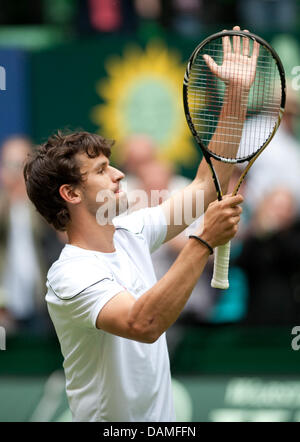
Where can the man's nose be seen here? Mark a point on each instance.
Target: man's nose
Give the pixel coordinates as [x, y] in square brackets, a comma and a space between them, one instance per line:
[117, 175]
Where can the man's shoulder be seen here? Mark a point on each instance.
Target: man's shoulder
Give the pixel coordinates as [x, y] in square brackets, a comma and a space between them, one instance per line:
[130, 222]
[71, 274]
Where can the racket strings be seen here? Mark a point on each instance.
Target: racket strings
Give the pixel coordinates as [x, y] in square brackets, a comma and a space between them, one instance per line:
[207, 96]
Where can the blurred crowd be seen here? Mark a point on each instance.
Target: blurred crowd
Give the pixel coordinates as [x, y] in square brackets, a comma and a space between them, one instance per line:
[187, 17]
[28, 246]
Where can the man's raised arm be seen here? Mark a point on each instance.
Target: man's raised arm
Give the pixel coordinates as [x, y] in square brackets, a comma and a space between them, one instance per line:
[234, 107]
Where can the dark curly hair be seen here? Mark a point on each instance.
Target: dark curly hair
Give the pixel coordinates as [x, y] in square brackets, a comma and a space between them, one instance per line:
[52, 165]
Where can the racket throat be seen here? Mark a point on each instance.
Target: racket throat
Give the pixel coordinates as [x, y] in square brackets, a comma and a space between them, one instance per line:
[215, 179]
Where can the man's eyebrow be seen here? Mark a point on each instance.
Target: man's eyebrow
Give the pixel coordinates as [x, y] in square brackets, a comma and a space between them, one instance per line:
[101, 164]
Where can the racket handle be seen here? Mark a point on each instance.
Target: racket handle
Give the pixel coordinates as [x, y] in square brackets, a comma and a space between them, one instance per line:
[221, 265]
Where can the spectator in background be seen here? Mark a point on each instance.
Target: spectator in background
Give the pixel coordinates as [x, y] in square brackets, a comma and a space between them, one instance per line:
[270, 258]
[143, 168]
[190, 18]
[106, 16]
[23, 237]
[279, 164]
[123, 16]
[137, 150]
[265, 254]
[149, 17]
[279, 15]
[187, 17]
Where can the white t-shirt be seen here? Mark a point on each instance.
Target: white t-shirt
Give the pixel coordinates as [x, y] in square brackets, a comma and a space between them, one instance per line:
[109, 378]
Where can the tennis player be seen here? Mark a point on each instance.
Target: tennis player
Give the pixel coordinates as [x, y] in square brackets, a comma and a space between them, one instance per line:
[109, 312]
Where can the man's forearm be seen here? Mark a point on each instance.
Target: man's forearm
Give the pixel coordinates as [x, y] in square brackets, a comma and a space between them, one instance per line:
[160, 306]
[227, 136]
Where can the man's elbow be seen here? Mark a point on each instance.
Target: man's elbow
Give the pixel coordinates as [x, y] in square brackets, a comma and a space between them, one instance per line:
[146, 333]
[150, 338]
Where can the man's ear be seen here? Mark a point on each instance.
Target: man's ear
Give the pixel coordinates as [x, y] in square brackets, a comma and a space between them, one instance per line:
[70, 194]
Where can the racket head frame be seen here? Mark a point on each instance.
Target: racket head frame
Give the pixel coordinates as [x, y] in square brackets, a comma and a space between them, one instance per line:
[206, 152]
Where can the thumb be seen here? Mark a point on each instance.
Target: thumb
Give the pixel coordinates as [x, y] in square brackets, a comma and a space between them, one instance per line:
[212, 65]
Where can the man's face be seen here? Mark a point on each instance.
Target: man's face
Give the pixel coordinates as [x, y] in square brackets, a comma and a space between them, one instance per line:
[13, 156]
[101, 186]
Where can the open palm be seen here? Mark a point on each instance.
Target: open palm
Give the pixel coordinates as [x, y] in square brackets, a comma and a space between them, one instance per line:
[238, 67]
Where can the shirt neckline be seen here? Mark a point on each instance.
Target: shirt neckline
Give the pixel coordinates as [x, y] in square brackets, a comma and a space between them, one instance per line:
[92, 251]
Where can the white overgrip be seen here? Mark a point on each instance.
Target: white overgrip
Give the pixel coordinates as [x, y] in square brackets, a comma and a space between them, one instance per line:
[221, 265]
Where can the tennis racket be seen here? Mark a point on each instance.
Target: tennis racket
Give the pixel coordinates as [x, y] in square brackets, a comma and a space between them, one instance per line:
[234, 98]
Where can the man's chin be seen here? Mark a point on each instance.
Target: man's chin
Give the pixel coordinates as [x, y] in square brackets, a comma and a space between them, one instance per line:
[111, 208]
[121, 202]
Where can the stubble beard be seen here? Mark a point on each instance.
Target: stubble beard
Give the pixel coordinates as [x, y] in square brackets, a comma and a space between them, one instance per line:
[108, 205]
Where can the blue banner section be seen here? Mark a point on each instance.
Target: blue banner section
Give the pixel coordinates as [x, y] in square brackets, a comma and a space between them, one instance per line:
[14, 94]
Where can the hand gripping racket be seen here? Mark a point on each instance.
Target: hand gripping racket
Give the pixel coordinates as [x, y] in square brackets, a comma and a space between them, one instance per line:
[234, 98]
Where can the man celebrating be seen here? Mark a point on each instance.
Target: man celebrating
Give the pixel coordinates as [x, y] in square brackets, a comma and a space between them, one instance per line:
[109, 312]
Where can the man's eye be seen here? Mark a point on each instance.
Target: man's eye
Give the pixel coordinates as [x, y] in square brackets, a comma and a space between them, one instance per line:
[101, 171]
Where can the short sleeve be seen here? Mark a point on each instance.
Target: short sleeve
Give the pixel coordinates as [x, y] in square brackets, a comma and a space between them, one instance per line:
[149, 222]
[79, 289]
[86, 306]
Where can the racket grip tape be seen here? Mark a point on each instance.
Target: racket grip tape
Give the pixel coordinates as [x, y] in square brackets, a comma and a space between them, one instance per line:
[221, 265]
